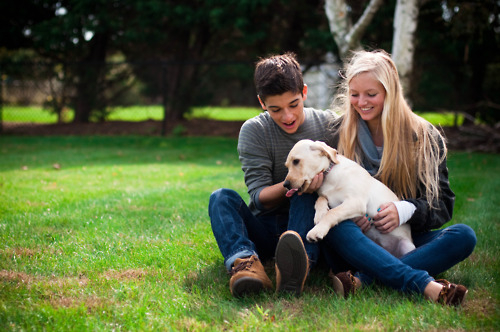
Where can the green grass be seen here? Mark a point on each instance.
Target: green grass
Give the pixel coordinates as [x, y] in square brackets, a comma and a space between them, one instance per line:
[225, 113]
[446, 119]
[36, 114]
[137, 113]
[30, 114]
[112, 233]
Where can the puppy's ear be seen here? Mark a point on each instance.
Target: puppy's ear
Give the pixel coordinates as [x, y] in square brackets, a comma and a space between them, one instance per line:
[326, 151]
[331, 154]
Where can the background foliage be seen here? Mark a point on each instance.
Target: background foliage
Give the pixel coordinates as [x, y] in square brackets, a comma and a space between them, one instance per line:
[201, 52]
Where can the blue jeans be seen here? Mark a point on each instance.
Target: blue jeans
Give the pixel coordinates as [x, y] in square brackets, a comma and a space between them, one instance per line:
[241, 234]
[347, 247]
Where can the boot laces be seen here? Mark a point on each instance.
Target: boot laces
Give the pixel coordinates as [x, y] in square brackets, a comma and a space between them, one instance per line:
[243, 265]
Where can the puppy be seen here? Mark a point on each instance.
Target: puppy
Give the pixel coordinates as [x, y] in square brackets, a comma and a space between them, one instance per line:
[348, 189]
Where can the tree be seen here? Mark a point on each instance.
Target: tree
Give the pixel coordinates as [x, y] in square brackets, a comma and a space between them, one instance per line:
[191, 38]
[347, 35]
[80, 34]
[458, 62]
[179, 41]
[403, 44]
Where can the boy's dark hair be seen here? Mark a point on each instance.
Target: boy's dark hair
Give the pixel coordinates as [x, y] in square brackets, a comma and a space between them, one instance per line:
[277, 75]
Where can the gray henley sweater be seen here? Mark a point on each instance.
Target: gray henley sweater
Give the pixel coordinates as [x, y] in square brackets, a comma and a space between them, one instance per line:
[263, 147]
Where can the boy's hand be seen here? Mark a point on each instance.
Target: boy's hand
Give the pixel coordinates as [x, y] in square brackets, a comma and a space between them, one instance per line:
[316, 182]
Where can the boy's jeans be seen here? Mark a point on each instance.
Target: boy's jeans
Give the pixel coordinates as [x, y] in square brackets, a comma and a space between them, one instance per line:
[240, 234]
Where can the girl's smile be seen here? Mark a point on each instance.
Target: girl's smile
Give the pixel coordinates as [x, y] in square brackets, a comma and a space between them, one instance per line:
[367, 96]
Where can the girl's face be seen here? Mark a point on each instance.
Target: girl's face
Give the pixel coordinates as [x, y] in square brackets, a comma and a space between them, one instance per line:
[367, 96]
[287, 110]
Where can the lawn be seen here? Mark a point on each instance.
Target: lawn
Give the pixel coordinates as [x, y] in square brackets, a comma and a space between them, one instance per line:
[36, 114]
[112, 233]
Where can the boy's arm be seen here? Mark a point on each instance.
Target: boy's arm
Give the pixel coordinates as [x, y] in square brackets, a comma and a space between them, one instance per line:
[257, 164]
[272, 196]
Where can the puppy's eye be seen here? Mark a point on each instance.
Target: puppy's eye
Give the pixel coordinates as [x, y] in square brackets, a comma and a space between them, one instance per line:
[296, 162]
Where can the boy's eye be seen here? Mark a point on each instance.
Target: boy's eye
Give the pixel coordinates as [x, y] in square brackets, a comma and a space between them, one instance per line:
[294, 105]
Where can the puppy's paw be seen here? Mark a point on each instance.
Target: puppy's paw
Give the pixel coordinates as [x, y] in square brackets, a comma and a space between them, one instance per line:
[317, 233]
[312, 237]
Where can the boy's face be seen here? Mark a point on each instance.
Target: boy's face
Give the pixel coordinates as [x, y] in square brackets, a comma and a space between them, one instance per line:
[287, 110]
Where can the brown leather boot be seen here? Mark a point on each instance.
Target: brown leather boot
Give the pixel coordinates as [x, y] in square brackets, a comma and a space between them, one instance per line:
[292, 263]
[248, 276]
[451, 294]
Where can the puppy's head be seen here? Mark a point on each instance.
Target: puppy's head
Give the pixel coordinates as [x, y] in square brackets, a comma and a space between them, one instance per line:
[306, 159]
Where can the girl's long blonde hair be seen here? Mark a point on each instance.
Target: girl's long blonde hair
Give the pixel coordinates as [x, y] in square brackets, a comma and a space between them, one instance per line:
[412, 145]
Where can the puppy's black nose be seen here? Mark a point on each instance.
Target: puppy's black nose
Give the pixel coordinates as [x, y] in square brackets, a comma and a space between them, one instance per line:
[286, 184]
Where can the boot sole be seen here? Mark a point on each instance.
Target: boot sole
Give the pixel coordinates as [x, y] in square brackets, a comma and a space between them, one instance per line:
[338, 287]
[292, 263]
[247, 285]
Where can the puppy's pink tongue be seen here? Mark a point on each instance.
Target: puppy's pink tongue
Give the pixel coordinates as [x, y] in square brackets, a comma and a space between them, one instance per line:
[290, 192]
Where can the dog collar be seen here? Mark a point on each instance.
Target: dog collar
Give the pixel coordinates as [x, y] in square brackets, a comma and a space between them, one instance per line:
[329, 169]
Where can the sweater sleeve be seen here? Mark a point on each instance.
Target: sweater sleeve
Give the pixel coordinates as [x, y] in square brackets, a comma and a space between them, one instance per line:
[255, 160]
[425, 218]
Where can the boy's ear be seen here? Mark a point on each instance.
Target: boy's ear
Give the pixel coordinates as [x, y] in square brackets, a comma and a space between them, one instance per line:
[304, 92]
[262, 103]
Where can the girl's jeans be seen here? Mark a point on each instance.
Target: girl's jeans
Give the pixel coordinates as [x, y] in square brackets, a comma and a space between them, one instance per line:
[436, 251]
[240, 234]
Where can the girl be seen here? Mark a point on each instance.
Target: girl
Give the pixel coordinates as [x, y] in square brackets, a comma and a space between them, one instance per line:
[408, 154]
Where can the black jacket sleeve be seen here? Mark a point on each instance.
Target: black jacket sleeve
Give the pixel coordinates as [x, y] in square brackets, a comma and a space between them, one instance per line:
[425, 218]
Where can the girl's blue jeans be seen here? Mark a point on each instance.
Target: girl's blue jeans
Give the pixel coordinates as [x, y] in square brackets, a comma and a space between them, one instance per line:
[346, 247]
[240, 234]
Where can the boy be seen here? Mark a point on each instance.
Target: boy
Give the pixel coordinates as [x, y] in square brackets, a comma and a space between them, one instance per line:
[248, 234]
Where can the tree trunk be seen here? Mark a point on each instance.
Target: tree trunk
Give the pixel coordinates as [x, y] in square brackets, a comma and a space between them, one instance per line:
[403, 43]
[348, 36]
[90, 71]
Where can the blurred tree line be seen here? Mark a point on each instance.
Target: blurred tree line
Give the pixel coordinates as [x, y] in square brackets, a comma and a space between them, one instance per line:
[191, 52]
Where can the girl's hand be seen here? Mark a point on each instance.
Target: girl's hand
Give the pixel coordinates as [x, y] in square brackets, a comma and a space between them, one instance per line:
[362, 223]
[387, 219]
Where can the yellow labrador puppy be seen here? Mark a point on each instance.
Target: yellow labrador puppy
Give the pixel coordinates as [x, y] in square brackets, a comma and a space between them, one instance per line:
[348, 191]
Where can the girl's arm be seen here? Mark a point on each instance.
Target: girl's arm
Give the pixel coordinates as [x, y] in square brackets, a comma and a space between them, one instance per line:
[425, 218]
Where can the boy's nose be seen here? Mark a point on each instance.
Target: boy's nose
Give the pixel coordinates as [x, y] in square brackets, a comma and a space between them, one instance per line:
[288, 115]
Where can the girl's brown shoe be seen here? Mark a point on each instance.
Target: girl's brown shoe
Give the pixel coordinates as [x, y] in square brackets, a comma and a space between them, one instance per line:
[451, 294]
[343, 283]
